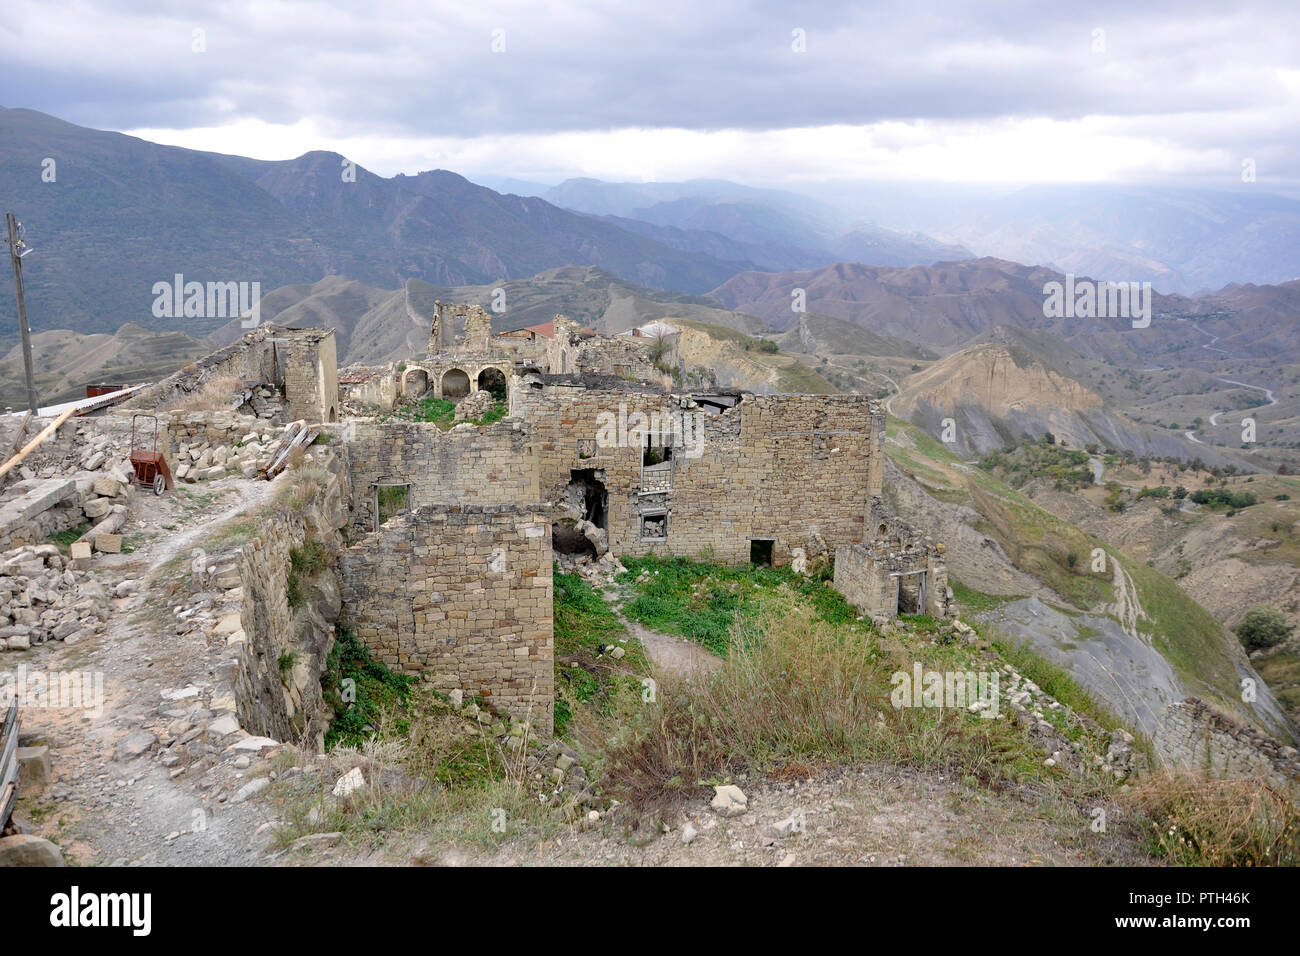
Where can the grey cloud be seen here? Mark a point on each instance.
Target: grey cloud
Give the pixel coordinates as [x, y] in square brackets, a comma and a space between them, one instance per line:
[403, 69]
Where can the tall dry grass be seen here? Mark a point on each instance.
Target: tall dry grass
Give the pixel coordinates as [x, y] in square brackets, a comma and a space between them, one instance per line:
[216, 394]
[1194, 820]
[798, 692]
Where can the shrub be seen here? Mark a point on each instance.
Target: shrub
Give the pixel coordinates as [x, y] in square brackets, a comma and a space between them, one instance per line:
[797, 691]
[1263, 626]
[305, 563]
[376, 688]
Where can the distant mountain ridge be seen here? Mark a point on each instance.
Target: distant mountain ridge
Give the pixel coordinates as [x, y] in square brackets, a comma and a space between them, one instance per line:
[774, 229]
[123, 214]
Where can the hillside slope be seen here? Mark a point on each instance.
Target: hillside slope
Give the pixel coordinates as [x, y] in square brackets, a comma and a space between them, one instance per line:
[1127, 633]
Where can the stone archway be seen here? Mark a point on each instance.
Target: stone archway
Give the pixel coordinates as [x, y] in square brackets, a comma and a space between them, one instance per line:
[455, 383]
[492, 379]
[415, 382]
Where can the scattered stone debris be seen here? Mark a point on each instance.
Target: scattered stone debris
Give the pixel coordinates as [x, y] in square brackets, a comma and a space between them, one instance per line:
[44, 597]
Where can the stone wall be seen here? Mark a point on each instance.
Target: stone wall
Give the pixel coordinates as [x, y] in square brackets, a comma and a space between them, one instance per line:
[276, 654]
[473, 319]
[470, 464]
[461, 596]
[867, 576]
[797, 470]
[92, 443]
[300, 362]
[375, 386]
[311, 381]
[253, 358]
[1192, 736]
[573, 351]
[444, 373]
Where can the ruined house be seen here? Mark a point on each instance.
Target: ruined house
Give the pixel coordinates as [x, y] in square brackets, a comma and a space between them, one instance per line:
[452, 535]
[446, 539]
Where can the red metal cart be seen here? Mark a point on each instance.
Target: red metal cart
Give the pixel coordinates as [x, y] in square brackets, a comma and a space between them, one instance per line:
[149, 468]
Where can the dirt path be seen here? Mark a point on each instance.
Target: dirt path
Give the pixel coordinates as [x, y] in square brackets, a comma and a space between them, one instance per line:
[1126, 609]
[874, 816]
[111, 798]
[673, 654]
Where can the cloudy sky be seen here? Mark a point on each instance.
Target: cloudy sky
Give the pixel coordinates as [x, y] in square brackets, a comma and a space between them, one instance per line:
[1167, 91]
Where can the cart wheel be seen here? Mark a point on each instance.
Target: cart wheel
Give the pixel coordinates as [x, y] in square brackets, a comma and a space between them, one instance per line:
[159, 484]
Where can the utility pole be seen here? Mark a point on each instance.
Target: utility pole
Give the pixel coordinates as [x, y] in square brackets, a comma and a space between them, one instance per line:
[15, 244]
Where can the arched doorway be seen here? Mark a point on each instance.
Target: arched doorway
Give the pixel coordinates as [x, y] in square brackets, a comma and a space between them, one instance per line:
[415, 383]
[493, 380]
[455, 383]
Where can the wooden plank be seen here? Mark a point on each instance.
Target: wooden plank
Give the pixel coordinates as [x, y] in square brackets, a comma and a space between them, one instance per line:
[8, 762]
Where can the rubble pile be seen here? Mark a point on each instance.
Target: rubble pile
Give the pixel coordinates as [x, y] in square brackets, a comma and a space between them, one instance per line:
[204, 460]
[44, 597]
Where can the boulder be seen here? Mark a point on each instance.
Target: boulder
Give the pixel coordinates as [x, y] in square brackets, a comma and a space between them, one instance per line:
[26, 850]
[729, 801]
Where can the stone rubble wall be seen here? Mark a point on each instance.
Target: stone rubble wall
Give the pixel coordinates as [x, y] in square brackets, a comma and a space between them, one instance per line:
[252, 358]
[46, 597]
[461, 596]
[486, 464]
[33, 509]
[377, 386]
[92, 443]
[797, 469]
[271, 655]
[208, 445]
[863, 576]
[1193, 736]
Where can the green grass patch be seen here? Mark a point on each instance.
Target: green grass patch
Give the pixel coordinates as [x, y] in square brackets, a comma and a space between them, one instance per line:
[305, 562]
[358, 688]
[971, 601]
[63, 540]
[703, 601]
[1056, 682]
[442, 412]
[584, 622]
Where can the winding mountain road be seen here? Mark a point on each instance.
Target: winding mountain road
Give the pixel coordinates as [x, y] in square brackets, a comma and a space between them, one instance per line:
[1214, 419]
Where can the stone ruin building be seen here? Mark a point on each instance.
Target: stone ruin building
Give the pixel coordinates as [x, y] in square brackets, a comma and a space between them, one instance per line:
[443, 542]
[446, 539]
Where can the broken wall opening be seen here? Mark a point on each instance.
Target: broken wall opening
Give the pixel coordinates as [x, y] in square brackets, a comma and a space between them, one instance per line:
[760, 551]
[587, 491]
[654, 526]
[391, 499]
[415, 383]
[910, 592]
[585, 530]
[494, 381]
[656, 465]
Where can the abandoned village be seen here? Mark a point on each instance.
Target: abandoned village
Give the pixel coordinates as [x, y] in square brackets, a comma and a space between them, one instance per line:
[566, 449]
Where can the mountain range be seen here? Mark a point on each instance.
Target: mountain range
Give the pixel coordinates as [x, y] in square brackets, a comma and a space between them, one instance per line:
[122, 214]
